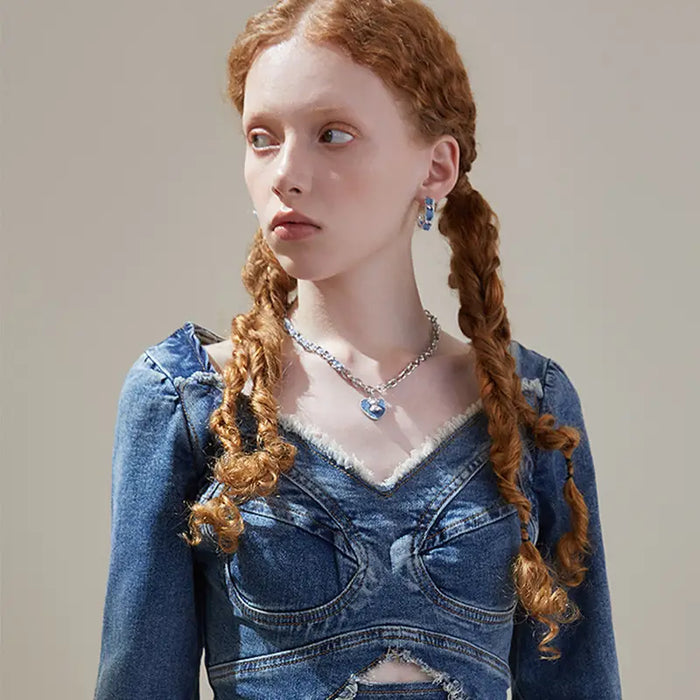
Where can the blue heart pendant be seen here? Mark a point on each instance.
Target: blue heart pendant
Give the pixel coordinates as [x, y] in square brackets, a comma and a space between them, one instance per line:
[373, 409]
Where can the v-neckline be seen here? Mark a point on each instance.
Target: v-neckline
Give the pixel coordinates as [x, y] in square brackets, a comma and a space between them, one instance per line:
[317, 439]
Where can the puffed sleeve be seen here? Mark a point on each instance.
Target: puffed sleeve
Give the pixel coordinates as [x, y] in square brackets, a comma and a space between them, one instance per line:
[151, 644]
[588, 667]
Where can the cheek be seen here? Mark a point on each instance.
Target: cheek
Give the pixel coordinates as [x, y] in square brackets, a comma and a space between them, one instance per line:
[383, 186]
[362, 196]
[257, 176]
[251, 175]
[364, 210]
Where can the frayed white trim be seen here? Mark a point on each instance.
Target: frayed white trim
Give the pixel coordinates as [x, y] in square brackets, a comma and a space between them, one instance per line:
[206, 377]
[451, 686]
[350, 690]
[533, 384]
[351, 462]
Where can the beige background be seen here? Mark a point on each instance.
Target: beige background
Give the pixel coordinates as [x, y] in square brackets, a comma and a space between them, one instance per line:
[125, 213]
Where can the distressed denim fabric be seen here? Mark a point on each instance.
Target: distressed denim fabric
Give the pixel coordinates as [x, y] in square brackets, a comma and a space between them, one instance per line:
[334, 573]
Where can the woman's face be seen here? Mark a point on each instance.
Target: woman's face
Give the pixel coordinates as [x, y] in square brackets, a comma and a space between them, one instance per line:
[325, 137]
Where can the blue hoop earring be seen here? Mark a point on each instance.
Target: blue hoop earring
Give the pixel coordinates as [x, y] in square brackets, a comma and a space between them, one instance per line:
[426, 222]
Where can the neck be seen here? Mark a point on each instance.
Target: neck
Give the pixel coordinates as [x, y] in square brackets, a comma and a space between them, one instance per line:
[371, 331]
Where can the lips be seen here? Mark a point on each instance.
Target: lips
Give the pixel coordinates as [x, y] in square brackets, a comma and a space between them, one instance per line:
[292, 218]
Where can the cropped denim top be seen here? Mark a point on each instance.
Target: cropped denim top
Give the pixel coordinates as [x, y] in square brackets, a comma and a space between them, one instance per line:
[334, 573]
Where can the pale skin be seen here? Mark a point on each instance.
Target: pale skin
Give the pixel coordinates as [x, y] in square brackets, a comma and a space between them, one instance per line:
[355, 170]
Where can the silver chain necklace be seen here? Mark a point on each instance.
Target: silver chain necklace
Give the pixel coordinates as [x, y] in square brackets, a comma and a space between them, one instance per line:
[373, 406]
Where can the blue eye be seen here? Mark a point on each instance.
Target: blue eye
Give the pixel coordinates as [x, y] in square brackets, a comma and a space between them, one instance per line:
[253, 136]
[340, 131]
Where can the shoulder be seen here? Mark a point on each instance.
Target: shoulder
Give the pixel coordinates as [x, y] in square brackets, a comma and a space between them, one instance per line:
[150, 387]
[528, 361]
[168, 372]
[151, 426]
[557, 392]
[179, 354]
[170, 389]
[546, 376]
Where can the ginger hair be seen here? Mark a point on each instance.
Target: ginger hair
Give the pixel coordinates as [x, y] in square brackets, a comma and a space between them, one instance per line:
[423, 69]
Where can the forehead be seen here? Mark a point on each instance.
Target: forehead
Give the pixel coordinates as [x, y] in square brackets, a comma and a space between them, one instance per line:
[300, 79]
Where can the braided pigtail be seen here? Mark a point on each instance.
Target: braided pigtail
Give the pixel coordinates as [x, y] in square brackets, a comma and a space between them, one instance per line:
[257, 338]
[471, 228]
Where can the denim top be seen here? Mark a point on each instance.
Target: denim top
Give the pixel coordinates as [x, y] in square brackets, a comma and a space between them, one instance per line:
[334, 573]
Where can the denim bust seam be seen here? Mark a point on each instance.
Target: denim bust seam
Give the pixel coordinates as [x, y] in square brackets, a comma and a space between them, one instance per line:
[503, 510]
[316, 614]
[303, 522]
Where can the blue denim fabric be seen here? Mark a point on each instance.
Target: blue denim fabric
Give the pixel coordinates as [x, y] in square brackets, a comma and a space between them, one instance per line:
[333, 573]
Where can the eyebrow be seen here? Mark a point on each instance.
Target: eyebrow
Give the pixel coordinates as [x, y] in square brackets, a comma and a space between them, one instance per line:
[315, 110]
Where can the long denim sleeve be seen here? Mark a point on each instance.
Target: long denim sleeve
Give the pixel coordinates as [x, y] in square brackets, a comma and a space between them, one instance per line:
[151, 644]
[588, 667]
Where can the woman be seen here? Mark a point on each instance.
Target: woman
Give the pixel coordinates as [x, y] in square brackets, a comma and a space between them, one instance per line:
[375, 507]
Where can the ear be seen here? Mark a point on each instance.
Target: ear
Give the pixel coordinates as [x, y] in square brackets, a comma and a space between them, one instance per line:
[443, 169]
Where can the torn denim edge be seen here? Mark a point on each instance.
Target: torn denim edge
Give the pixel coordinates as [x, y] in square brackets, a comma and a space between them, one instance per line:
[533, 384]
[451, 686]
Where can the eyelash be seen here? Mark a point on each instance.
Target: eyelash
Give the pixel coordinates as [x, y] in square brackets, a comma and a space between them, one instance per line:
[325, 131]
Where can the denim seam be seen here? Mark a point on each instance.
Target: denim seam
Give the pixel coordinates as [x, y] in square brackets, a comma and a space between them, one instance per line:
[324, 500]
[287, 507]
[271, 516]
[496, 508]
[433, 510]
[459, 609]
[328, 647]
[313, 615]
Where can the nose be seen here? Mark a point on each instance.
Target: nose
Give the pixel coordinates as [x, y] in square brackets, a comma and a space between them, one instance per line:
[293, 169]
